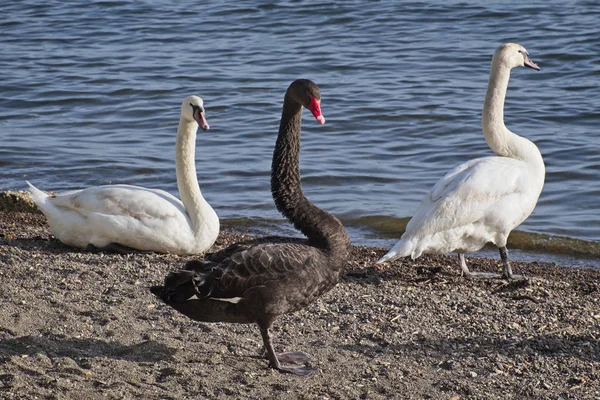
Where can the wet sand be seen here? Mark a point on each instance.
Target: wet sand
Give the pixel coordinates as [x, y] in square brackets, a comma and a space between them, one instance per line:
[77, 325]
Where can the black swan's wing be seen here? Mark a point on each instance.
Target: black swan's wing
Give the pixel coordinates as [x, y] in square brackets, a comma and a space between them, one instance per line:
[221, 255]
[276, 263]
[268, 278]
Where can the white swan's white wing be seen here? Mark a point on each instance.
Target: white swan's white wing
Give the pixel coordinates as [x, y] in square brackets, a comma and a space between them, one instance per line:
[144, 219]
[468, 194]
[121, 200]
[479, 201]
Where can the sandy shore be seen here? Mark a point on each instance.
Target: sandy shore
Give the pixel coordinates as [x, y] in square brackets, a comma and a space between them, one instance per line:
[77, 325]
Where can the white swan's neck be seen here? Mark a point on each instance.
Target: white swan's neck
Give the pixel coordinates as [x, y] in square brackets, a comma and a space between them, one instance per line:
[501, 140]
[187, 181]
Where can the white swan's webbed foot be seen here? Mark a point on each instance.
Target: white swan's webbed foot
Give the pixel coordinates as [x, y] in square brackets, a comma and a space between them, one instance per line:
[115, 248]
[464, 271]
[483, 275]
[506, 269]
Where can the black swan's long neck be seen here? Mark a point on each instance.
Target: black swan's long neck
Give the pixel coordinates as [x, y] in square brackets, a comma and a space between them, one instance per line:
[322, 229]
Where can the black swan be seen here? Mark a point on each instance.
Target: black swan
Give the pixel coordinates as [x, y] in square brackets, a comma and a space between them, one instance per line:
[257, 281]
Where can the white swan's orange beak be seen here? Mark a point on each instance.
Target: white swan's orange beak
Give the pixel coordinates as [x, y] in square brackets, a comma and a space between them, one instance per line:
[315, 109]
[199, 117]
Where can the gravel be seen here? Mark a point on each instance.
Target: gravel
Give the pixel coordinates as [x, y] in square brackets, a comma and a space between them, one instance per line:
[79, 325]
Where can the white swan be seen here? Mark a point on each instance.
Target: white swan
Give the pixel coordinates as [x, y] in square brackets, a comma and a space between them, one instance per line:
[484, 199]
[124, 217]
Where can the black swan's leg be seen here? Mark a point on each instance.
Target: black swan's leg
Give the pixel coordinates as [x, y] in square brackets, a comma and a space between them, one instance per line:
[275, 361]
[271, 356]
[115, 248]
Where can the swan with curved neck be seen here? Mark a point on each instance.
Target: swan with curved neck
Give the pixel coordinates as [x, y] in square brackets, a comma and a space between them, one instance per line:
[259, 280]
[124, 218]
[484, 199]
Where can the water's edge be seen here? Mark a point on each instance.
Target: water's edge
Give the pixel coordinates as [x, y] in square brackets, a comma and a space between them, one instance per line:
[382, 231]
[389, 227]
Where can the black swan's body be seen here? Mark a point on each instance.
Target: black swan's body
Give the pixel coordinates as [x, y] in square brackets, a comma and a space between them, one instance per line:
[257, 281]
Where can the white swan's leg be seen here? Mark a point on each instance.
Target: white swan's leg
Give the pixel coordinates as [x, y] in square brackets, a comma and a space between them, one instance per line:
[506, 270]
[464, 270]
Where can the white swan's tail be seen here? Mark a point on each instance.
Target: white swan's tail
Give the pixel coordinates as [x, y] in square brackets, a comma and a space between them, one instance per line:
[39, 198]
[401, 249]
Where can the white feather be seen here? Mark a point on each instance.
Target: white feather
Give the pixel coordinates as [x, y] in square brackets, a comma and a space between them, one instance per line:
[484, 199]
[136, 217]
[233, 300]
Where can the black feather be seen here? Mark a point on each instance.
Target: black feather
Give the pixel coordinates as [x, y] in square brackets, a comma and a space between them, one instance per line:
[270, 276]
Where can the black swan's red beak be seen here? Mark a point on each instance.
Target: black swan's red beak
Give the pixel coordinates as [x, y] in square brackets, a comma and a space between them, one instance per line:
[315, 109]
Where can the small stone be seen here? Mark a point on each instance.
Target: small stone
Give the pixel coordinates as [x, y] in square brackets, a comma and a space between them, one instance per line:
[546, 386]
[575, 381]
[472, 374]
[447, 365]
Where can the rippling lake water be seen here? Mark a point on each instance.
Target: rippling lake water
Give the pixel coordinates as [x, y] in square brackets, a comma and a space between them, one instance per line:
[91, 95]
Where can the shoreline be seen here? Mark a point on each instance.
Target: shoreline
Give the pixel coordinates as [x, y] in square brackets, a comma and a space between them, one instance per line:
[75, 324]
[563, 250]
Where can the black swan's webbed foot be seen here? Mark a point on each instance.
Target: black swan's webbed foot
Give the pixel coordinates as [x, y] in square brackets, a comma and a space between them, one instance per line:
[277, 361]
[300, 370]
[115, 248]
[297, 358]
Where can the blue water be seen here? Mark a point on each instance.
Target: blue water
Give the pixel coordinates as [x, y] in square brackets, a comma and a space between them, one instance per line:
[91, 93]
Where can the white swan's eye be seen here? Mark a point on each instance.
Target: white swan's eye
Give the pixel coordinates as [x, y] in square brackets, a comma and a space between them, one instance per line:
[196, 108]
